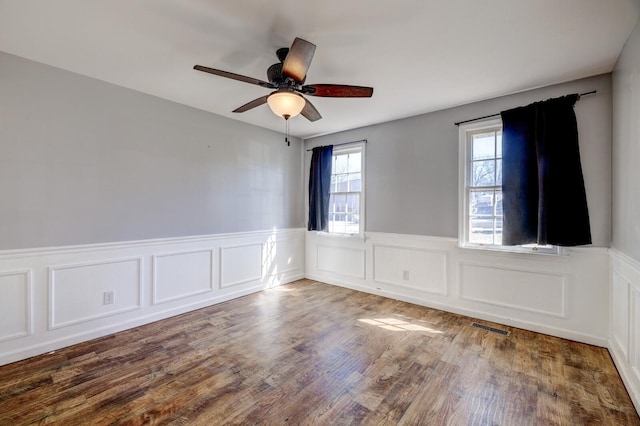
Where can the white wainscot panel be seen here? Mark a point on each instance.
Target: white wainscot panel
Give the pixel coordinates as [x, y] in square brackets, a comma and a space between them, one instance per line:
[77, 292]
[341, 260]
[620, 313]
[240, 264]
[281, 256]
[414, 268]
[180, 275]
[519, 289]
[635, 331]
[15, 304]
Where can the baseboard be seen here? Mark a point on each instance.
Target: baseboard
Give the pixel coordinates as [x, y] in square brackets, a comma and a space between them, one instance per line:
[563, 296]
[551, 331]
[53, 298]
[69, 340]
[627, 374]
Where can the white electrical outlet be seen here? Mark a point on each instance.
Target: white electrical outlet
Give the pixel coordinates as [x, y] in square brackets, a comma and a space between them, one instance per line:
[405, 275]
[108, 298]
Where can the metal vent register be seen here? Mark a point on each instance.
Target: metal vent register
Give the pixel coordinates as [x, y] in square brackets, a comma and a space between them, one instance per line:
[491, 329]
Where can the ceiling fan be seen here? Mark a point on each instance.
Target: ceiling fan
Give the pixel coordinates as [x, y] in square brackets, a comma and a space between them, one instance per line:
[287, 78]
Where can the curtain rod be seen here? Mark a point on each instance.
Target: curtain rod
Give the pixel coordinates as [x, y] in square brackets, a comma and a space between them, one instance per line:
[496, 115]
[344, 143]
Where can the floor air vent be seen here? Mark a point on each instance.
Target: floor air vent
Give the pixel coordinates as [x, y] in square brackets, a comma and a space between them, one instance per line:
[491, 329]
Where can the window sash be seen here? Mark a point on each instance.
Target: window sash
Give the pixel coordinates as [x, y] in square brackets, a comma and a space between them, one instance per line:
[351, 176]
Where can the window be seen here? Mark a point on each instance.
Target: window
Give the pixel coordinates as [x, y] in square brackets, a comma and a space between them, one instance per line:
[346, 201]
[481, 188]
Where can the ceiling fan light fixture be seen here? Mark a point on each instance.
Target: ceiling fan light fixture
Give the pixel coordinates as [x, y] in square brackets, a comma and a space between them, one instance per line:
[287, 78]
[286, 104]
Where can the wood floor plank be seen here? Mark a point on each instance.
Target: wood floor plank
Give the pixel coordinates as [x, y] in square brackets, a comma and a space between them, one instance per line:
[311, 353]
[522, 399]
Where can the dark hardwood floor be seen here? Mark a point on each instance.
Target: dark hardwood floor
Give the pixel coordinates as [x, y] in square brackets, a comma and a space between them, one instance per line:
[311, 353]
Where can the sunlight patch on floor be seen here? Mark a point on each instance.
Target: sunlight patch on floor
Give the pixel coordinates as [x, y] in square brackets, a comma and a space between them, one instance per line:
[281, 289]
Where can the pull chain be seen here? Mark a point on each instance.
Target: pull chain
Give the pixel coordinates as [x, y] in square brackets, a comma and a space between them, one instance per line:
[286, 136]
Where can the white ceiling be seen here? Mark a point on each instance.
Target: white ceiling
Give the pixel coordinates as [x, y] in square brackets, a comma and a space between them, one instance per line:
[419, 55]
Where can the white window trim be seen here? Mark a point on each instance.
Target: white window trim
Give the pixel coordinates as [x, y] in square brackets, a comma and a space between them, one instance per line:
[353, 147]
[464, 147]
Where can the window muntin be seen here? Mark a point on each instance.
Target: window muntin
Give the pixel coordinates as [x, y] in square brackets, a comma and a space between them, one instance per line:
[481, 189]
[346, 193]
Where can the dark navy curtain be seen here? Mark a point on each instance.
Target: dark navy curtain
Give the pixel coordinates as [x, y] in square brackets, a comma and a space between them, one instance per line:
[319, 183]
[544, 199]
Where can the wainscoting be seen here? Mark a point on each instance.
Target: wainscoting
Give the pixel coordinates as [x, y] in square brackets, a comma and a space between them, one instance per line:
[563, 296]
[624, 343]
[55, 297]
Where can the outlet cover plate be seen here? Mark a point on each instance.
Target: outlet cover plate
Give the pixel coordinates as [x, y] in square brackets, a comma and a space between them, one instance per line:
[108, 298]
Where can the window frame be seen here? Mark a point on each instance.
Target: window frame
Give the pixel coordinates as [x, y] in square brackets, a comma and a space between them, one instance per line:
[348, 149]
[466, 132]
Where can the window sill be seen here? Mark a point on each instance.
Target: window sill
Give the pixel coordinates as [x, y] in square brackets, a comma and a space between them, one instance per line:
[554, 253]
[342, 236]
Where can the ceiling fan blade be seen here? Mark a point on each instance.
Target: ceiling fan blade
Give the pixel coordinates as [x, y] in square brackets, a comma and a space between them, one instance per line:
[298, 59]
[250, 105]
[310, 112]
[234, 76]
[337, 91]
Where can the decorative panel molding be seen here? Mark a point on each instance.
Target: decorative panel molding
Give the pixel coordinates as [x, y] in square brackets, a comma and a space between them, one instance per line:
[341, 260]
[521, 289]
[282, 256]
[76, 291]
[15, 304]
[412, 268]
[240, 264]
[620, 319]
[182, 274]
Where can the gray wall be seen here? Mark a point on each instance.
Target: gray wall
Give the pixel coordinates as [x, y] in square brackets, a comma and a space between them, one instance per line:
[84, 161]
[626, 148]
[412, 164]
